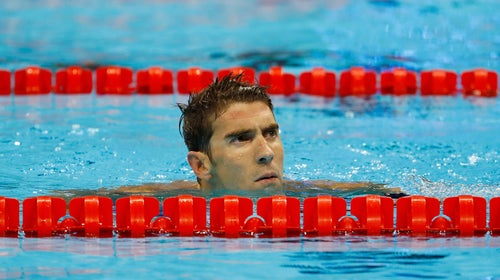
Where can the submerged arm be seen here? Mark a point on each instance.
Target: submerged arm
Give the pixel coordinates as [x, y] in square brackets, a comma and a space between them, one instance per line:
[154, 188]
[150, 189]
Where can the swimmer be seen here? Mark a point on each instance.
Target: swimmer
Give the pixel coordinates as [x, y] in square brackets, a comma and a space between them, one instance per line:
[234, 144]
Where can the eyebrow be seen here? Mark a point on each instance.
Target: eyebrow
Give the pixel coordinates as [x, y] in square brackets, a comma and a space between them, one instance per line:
[237, 133]
[273, 126]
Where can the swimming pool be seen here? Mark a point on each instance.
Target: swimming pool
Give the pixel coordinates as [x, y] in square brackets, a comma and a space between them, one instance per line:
[435, 146]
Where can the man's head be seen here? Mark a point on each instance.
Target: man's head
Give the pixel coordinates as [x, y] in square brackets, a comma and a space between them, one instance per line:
[232, 136]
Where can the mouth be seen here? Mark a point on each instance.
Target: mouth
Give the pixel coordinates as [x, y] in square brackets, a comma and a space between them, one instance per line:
[271, 176]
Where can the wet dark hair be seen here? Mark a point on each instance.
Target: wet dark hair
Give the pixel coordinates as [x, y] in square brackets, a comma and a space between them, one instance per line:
[203, 108]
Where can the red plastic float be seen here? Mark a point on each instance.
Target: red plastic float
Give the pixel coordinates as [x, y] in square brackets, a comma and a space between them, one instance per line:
[358, 81]
[73, 79]
[9, 217]
[228, 216]
[248, 74]
[134, 215]
[375, 214]
[318, 82]
[277, 81]
[322, 214]
[398, 81]
[41, 216]
[187, 213]
[479, 82]
[193, 80]
[93, 216]
[414, 214]
[467, 214]
[495, 216]
[438, 82]
[5, 83]
[281, 215]
[114, 80]
[155, 80]
[32, 80]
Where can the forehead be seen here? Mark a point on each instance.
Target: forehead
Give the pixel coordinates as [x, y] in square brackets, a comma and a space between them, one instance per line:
[244, 114]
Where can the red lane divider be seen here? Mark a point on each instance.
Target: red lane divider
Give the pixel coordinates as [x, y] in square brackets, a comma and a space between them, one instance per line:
[9, 217]
[318, 82]
[155, 80]
[358, 81]
[467, 214]
[247, 72]
[33, 80]
[375, 214]
[277, 81]
[114, 80]
[5, 82]
[134, 215]
[495, 216]
[398, 81]
[193, 80]
[73, 79]
[438, 82]
[187, 213]
[233, 216]
[480, 82]
[41, 216]
[414, 214]
[281, 215]
[322, 215]
[93, 216]
[228, 216]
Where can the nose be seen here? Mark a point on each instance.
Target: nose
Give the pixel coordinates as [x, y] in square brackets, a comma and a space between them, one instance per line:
[265, 153]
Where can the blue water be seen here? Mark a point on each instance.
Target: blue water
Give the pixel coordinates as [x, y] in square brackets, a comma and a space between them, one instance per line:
[438, 147]
[456, 35]
[433, 146]
[158, 258]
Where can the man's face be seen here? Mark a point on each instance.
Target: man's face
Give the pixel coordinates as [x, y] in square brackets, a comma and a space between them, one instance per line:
[246, 149]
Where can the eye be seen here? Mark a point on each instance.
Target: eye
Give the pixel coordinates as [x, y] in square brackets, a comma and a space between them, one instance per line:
[271, 133]
[244, 137]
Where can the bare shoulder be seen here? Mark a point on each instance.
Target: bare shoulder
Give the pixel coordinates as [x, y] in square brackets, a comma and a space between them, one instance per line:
[349, 187]
[328, 184]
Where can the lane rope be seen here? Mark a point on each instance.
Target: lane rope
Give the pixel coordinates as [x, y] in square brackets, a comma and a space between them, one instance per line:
[234, 216]
[355, 81]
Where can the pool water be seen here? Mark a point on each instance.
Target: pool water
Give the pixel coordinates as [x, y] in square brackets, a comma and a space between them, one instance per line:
[291, 258]
[338, 34]
[434, 146]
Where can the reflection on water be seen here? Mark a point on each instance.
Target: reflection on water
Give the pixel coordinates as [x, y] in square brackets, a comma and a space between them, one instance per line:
[351, 256]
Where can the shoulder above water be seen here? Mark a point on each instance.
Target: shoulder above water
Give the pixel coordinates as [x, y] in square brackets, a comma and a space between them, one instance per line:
[290, 187]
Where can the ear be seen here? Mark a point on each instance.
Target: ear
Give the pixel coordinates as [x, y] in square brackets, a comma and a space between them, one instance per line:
[200, 163]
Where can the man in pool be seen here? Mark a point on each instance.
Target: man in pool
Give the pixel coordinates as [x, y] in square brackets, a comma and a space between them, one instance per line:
[234, 144]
